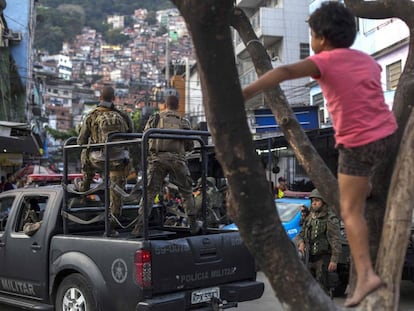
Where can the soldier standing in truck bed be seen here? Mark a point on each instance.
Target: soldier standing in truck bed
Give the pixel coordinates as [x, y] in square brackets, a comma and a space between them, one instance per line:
[167, 158]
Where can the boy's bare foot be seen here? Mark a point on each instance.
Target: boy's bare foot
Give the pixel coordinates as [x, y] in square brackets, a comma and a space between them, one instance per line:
[363, 290]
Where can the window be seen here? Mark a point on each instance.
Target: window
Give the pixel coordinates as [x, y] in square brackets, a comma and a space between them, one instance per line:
[5, 208]
[317, 99]
[273, 52]
[31, 211]
[304, 50]
[393, 75]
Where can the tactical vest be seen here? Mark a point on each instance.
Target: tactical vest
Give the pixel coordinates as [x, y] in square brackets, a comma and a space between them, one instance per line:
[317, 236]
[168, 120]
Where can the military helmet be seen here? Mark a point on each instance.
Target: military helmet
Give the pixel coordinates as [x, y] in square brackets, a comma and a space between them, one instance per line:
[315, 194]
[211, 182]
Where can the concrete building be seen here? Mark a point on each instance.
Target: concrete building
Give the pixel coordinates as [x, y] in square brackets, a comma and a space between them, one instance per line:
[19, 15]
[19, 131]
[62, 63]
[282, 29]
[117, 21]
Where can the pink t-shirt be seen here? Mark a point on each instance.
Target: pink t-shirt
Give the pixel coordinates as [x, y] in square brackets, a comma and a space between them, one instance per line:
[351, 83]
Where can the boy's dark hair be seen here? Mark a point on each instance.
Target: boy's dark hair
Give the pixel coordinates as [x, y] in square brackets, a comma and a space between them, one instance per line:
[172, 102]
[335, 22]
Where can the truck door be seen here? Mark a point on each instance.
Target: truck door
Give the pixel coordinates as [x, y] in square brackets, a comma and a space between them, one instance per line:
[6, 203]
[25, 269]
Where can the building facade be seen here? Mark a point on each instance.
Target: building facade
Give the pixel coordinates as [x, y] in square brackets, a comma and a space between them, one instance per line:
[282, 29]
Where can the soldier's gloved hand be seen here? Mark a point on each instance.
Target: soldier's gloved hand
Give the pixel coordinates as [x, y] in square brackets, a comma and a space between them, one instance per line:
[332, 266]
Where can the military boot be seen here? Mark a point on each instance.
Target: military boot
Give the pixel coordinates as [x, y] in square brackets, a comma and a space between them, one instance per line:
[114, 224]
[195, 225]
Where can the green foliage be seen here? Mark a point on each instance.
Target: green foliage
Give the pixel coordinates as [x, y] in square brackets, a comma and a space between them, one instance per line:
[136, 119]
[114, 36]
[61, 135]
[151, 18]
[57, 22]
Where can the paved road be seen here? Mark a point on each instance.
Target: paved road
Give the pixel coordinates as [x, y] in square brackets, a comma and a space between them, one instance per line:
[268, 302]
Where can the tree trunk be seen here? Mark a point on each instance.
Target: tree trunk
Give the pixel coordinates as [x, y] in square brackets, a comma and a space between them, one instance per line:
[252, 199]
[395, 233]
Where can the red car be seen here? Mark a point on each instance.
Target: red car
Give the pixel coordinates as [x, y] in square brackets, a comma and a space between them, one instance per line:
[42, 175]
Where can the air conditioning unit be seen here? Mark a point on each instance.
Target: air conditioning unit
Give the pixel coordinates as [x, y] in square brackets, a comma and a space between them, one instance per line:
[13, 36]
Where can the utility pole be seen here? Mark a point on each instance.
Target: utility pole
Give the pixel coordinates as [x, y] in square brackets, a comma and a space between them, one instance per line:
[167, 60]
[187, 86]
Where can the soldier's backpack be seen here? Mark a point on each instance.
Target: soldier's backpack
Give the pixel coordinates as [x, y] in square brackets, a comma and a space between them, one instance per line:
[167, 120]
[107, 121]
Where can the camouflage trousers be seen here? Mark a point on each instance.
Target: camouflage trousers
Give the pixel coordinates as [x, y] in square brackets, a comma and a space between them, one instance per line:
[318, 266]
[118, 172]
[175, 166]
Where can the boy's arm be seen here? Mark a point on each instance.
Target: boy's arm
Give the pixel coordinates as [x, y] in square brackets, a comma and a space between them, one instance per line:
[304, 68]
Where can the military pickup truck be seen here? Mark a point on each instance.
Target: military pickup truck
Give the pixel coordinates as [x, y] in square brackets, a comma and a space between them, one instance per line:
[68, 261]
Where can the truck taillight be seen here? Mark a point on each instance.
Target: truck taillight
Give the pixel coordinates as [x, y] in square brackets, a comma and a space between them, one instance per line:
[143, 268]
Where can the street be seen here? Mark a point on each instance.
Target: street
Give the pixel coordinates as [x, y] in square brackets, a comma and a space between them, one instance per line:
[268, 302]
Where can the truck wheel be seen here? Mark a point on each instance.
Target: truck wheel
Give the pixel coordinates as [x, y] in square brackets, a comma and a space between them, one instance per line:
[75, 294]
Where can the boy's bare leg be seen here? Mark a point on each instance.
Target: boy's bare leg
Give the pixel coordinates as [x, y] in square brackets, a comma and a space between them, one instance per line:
[353, 192]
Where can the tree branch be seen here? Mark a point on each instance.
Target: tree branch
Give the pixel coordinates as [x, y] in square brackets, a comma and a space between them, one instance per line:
[308, 157]
[382, 9]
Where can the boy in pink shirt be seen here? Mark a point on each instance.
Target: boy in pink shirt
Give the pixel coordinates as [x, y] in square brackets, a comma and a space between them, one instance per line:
[364, 126]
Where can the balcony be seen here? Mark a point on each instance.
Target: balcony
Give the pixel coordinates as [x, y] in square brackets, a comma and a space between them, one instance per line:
[248, 3]
[269, 26]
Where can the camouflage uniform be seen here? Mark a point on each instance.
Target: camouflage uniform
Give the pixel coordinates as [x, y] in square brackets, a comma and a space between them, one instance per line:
[92, 159]
[167, 157]
[322, 237]
[214, 201]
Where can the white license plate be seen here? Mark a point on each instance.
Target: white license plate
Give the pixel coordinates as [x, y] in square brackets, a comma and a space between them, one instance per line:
[205, 295]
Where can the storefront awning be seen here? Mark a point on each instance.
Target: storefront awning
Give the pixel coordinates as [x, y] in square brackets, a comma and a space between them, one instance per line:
[18, 138]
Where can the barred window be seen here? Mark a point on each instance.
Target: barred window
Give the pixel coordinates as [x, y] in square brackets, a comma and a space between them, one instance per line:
[393, 75]
[304, 50]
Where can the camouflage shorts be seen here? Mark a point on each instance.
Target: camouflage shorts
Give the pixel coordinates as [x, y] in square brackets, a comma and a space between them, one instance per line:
[362, 160]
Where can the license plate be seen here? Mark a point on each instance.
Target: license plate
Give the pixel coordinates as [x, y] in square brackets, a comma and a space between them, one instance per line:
[204, 295]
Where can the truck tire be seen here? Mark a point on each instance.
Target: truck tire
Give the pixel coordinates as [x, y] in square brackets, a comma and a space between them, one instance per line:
[75, 293]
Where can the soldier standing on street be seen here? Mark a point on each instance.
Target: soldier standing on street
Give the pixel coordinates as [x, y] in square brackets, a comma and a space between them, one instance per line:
[167, 157]
[320, 238]
[96, 127]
